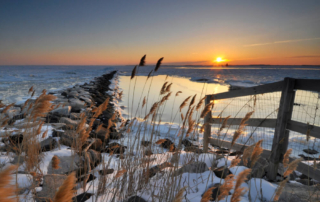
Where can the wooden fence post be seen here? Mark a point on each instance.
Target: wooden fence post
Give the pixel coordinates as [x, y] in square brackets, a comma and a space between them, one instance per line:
[207, 127]
[281, 135]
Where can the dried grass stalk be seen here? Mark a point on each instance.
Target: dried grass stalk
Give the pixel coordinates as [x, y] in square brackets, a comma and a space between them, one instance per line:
[257, 151]
[143, 60]
[200, 103]
[206, 109]
[134, 71]
[55, 162]
[292, 167]
[144, 101]
[177, 94]
[247, 153]
[207, 196]
[239, 131]
[184, 103]
[226, 187]
[179, 196]
[149, 74]
[193, 100]
[235, 162]
[120, 173]
[65, 192]
[238, 190]
[279, 189]
[7, 191]
[286, 157]
[158, 64]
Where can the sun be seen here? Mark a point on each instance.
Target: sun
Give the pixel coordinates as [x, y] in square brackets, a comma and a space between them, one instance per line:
[219, 59]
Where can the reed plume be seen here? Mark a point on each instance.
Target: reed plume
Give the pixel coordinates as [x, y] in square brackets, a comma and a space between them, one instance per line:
[44, 134]
[120, 173]
[182, 117]
[200, 103]
[193, 100]
[224, 124]
[7, 108]
[133, 73]
[160, 141]
[152, 110]
[65, 192]
[235, 162]
[238, 190]
[163, 88]
[257, 151]
[247, 153]
[207, 196]
[177, 94]
[7, 191]
[144, 101]
[191, 127]
[184, 103]
[143, 61]
[286, 157]
[33, 93]
[292, 167]
[226, 187]
[279, 189]
[39, 128]
[239, 131]
[168, 89]
[30, 90]
[158, 64]
[206, 109]
[55, 162]
[179, 196]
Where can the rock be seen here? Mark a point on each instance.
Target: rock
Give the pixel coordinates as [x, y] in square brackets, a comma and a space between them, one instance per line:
[115, 135]
[148, 152]
[51, 183]
[48, 144]
[62, 111]
[294, 192]
[196, 167]
[155, 169]
[13, 139]
[67, 139]
[57, 133]
[69, 121]
[222, 172]
[85, 99]
[136, 199]
[310, 151]
[52, 118]
[166, 144]
[88, 178]
[236, 153]
[75, 116]
[58, 126]
[82, 197]
[145, 143]
[115, 148]
[106, 172]
[307, 182]
[72, 94]
[186, 143]
[97, 145]
[10, 113]
[193, 149]
[67, 165]
[76, 105]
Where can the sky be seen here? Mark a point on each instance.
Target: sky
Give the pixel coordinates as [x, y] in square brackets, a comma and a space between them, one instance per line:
[81, 32]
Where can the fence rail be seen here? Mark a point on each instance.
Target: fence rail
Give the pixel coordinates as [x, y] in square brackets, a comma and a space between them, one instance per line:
[282, 124]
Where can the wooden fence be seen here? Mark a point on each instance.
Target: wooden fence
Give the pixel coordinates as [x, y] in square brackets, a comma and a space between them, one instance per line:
[282, 124]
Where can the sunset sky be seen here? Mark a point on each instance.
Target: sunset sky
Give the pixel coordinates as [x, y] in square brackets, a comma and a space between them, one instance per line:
[194, 32]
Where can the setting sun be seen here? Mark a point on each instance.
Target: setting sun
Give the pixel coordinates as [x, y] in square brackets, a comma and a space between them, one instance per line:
[219, 59]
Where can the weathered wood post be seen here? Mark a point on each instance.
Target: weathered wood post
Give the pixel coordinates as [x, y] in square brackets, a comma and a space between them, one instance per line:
[207, 127]
[281, 135]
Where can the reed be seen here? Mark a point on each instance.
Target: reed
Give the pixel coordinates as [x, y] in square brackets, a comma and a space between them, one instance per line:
[7, 191]
[238, 190]
[66, 192]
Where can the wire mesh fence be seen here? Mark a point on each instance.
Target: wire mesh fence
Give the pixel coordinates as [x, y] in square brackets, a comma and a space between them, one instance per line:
[265, 106]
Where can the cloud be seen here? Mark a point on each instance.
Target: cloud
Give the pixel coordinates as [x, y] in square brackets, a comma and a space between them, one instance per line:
[286, 41]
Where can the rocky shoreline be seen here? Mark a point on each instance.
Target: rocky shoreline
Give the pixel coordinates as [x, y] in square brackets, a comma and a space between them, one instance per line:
[61, 128]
